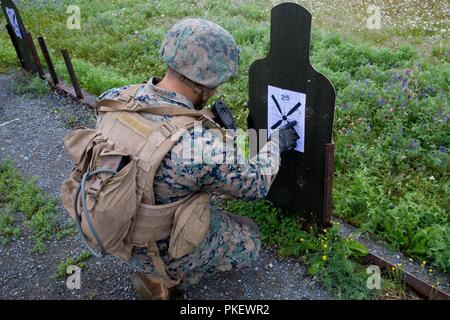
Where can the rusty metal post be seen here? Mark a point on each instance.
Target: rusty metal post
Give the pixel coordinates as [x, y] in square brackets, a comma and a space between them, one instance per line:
[34, 55]
[328, 183]
[48, 60]
[71, 71]
[14, 42]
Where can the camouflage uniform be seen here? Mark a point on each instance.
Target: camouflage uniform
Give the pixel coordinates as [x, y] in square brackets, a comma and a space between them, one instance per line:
[231, 243]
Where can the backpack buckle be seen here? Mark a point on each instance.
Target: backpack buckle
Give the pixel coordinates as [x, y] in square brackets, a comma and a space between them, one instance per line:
[132, 106]
[95, 188]
[167, 129]
[77, 174]
[124, 98]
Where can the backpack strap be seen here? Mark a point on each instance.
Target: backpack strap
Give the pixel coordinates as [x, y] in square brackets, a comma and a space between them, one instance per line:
[123, 102]
[166, 137]
[126, 102]
[145, 229]
[169, 110]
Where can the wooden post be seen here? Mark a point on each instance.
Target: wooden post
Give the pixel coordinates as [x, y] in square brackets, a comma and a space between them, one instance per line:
[303, 183]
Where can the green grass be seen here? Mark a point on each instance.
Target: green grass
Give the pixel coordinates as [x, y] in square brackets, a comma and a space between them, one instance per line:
[40, 212]
[33, 87]
[79, 261]
[8, 225]
[332, 260]
[392, 116]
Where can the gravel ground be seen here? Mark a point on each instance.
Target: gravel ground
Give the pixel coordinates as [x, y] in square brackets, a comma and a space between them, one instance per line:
[31, 133]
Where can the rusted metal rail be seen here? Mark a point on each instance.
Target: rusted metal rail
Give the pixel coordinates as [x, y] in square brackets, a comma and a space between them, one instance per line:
[63, 88]
[419, 286]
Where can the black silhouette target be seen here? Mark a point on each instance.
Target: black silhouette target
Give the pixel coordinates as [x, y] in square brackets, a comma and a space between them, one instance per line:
[19, 34]
[300, 184]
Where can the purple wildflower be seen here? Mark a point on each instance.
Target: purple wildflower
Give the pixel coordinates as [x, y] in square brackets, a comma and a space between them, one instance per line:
[404, 82]
[413, 145]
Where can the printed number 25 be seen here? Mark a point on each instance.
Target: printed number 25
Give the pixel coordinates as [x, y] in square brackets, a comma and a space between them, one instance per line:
[284, 97]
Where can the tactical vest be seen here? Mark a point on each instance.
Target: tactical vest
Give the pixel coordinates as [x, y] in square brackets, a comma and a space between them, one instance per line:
[112, 182]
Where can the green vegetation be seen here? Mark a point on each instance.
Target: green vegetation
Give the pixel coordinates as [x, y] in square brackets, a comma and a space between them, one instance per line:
[39, 211]
[392, 116]
[8, 225]
[79, 261]
[33, 87]
[392, 160]
[334, 261]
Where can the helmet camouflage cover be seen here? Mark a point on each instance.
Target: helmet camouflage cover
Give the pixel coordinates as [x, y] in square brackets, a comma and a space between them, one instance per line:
[202, 51]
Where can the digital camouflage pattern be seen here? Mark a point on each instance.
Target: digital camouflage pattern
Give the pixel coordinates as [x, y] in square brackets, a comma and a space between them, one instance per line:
[174, 179]
[230, 244]
[202, 51]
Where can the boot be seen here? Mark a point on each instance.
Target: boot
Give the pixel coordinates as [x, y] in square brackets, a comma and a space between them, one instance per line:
[150, 287]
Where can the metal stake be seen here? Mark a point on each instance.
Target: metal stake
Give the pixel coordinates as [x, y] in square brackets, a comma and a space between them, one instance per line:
[71, 71]
[34, 55]
[328, 183]
[48, 60]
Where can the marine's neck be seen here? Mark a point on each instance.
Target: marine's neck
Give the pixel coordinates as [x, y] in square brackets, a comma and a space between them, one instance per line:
[171, 83]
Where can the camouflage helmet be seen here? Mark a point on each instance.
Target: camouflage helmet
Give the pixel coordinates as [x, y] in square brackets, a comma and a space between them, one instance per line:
[202, 51]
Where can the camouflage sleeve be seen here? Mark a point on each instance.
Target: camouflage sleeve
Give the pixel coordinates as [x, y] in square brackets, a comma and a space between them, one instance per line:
[222, 170]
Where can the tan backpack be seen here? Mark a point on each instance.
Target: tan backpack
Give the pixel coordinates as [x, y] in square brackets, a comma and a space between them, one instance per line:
[110, 190]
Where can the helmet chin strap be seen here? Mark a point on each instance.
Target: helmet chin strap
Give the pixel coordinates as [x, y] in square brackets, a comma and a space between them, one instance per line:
[204, 92]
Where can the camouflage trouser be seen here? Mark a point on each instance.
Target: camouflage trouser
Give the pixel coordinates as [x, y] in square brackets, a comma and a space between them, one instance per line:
[231, 244]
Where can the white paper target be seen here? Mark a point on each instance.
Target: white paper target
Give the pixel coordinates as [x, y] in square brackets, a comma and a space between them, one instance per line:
[13, 19]
[284, 106]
